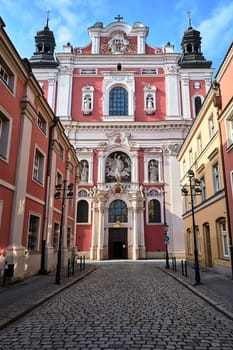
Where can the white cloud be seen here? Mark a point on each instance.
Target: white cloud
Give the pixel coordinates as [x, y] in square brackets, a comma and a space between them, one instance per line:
[217, 30]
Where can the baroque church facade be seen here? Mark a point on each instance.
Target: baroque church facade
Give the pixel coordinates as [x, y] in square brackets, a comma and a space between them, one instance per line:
[126, 107]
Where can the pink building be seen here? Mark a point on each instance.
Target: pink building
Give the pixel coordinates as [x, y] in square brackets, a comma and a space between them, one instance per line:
[126, 107]
[224, 103]
[35, 155]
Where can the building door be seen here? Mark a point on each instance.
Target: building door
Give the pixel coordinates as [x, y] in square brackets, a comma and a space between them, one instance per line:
[208, 254]
[118, 243]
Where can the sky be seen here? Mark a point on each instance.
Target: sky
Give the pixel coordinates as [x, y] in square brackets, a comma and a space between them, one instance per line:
[167, 20]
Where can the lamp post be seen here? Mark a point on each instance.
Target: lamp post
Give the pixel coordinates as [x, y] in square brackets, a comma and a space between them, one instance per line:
[166, 240]
[194, 189]
[62, 192]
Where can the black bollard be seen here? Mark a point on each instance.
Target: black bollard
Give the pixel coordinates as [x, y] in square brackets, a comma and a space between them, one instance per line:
[68, 267]
[81, 263]
[185, 269]
[84, 262]
[73, 262]
[182, 267]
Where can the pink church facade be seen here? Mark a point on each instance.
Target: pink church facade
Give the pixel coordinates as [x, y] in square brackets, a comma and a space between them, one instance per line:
[126, 108]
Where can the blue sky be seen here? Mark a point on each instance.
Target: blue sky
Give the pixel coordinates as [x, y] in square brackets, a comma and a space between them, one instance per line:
[167, 20]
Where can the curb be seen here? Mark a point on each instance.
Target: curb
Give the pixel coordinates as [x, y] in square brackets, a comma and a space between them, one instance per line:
[201, 295]
[28, 308]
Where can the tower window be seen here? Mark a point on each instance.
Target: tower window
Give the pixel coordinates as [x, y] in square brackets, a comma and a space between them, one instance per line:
[118, 101]
[197, 103]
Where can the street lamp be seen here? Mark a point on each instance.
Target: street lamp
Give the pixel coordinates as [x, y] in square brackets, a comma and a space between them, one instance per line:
[62, 192]
[194, 189]
[166, 240]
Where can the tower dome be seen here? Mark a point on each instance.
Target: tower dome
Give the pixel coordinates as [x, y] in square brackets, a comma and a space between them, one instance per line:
[45, 45]
[191, 46]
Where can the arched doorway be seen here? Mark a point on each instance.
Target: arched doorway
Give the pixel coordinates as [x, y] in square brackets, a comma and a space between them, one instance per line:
[118, 243]
[118, 235]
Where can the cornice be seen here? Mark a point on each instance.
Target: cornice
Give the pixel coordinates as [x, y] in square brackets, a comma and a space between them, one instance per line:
[181, 125]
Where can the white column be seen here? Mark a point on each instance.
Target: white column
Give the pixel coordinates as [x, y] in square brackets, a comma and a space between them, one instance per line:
[135, 235]
[172, 92]
[52, 91]
[134, 174]
[64, 92]
[100, 247]
[101, 167]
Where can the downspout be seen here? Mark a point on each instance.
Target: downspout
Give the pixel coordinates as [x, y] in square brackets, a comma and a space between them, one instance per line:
[43, 269]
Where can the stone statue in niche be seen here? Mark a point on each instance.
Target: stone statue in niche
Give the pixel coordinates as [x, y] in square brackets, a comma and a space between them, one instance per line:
[149, 102]
[87, 102]
[153, 171]
[84, 171]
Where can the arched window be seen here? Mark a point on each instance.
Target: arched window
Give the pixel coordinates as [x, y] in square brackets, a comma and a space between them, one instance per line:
[154, 210]
[197, 103]
[118, 211]
[118, 101]
[82, 212]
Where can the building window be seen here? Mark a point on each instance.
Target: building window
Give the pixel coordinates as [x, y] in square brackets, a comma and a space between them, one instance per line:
[38, 167]
[56, 231]
[224, 239]
[229, 130]
[5, 125]
[211, 126]
[118, 101]
[197, 104]
[6, 74]
[231, 178]
[82, 212]
[33, 233]
[216, 177]
[118, 211]
[199, 144]
[190, 157]
[61, 151]
[203, 188]
[41, 122]
[190, 242]
[154, 211]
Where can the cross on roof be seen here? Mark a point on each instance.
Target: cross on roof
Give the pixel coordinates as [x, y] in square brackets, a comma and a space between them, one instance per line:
[118, 18]
[189, 18]
[47, 18]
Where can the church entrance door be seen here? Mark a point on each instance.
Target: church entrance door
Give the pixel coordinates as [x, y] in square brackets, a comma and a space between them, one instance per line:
[118, 243]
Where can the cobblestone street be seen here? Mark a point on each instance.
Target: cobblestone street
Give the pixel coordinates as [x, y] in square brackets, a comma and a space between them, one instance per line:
[122, 305]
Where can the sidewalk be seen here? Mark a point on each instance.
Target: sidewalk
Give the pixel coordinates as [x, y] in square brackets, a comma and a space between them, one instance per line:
[18, 299]
[215, 288]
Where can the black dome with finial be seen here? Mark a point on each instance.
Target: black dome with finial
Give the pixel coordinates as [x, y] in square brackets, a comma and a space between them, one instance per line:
[192, 56]
[45, 45]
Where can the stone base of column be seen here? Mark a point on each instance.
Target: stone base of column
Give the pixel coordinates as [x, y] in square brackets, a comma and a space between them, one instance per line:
[16, 256]
[100, 253]
[93, 253]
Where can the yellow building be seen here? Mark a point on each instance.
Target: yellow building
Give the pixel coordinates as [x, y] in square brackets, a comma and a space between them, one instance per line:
[202, 183]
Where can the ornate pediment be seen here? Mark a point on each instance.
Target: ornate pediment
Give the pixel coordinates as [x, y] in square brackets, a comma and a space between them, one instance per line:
[118, 44]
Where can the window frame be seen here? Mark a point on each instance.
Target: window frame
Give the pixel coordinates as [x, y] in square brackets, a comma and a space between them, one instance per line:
[37, 236]
[5, 134]
[38, 168]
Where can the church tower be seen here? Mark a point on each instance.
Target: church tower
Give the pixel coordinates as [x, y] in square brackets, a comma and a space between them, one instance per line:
[45, 46]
